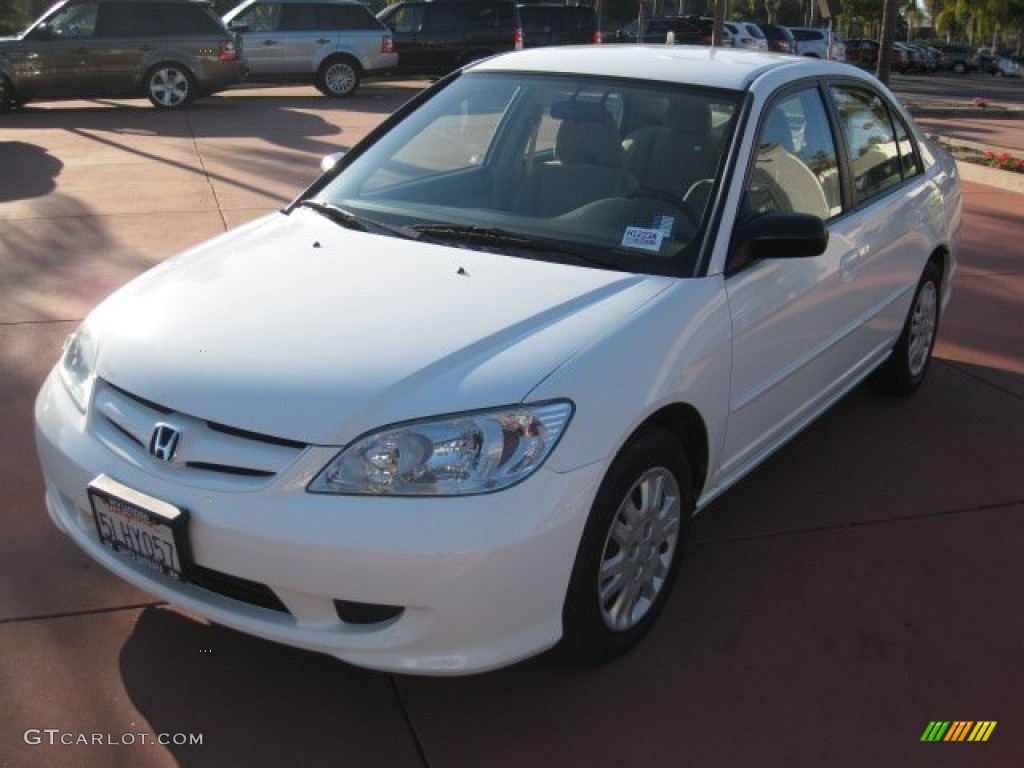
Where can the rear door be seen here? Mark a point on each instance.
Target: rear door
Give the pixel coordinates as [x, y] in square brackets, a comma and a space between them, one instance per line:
[300, 38]
[124, 34]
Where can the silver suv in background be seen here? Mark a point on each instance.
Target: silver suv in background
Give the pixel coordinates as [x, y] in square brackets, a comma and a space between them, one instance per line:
[813, 42]
[168, 50]
[331, 43]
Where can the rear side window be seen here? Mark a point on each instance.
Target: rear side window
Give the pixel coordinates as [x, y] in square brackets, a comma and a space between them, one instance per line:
[871, 142]
[298, 17]
[170, 19]
[335, 16]
[155, 20]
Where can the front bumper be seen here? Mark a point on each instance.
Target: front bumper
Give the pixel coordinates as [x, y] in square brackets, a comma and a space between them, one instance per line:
[480, 580]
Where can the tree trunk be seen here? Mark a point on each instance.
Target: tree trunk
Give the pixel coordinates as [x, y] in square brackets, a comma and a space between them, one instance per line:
[885, 40]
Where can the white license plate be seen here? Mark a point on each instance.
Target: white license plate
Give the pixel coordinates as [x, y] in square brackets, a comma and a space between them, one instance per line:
[147, 530]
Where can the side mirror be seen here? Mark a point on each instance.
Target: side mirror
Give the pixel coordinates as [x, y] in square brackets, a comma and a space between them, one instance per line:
[238, 26]
[777, 236]
[331, 160]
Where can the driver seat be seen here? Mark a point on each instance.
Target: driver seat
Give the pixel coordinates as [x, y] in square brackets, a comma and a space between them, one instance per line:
[587, 165]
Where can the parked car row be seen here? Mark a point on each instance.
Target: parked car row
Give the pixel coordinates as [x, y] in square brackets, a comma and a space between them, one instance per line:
[173, 51]
[805, 41]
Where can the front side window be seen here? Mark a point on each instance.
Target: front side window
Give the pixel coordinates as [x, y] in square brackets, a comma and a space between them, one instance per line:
[796, 168]
[609, 172]
[74, 22]
[262, 17]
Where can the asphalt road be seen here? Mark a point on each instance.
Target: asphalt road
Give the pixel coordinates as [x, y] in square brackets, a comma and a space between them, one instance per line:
[862, 583]
[1007, 91]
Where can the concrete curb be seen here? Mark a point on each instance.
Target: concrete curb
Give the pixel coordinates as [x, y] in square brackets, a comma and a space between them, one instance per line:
[928, 109]
[982, 174]
[993, 177]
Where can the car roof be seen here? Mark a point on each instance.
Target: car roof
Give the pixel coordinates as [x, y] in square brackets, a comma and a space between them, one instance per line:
[728, 68]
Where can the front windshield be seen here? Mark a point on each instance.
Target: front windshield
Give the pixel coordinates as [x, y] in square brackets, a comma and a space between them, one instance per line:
[618, 172]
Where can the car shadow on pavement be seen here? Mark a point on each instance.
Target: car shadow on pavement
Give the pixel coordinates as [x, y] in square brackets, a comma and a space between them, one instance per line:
[255, 702]
[28, 171]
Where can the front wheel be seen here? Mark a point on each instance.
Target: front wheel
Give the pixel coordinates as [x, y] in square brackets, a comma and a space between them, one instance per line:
[905, 369]
[338, 77]
[631, 547]
[170, 86]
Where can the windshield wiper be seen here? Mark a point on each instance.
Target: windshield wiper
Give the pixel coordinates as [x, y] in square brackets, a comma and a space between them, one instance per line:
[503, 239]
[336, 214]
[347, 219]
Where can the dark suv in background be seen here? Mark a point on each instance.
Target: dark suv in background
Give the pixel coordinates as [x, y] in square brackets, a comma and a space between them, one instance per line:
[957, 58]
[436, 37]
[686, 30]
[549, 24]
[168, 50]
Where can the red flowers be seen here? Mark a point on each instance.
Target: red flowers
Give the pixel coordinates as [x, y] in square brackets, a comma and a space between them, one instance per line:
[1004, 162]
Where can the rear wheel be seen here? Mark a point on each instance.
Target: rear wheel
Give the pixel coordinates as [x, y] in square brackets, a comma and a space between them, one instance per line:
[631, 547]
[905, 369]
[338, 76]
[170, 86]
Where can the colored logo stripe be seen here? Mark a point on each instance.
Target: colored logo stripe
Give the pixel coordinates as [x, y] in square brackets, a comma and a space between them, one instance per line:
[935, 730]
[982, 730]
[958, 730]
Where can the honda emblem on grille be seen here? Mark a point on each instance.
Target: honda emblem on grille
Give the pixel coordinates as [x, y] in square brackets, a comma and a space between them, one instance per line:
[164, 441]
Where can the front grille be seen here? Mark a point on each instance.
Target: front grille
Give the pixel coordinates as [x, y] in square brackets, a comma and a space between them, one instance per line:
[125, 422]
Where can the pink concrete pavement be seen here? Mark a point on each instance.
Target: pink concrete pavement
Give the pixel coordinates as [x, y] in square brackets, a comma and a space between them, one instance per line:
[992, 132]
[864, 581]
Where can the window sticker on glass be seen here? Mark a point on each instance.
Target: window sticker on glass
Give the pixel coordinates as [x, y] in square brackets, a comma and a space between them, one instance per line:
[643, 238]
[664, 224]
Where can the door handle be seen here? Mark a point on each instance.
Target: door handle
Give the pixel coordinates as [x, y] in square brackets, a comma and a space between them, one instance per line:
[270, 42]
[849, 260]
[322, 41]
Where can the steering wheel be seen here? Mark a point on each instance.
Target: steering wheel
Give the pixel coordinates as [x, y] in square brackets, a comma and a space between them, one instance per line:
[665, 196]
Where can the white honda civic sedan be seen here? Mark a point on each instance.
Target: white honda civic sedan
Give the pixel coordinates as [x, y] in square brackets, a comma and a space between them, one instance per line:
[460, 400]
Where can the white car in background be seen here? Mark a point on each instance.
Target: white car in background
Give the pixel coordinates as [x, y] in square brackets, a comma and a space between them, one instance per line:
[746, 34]
[814, 42]
[461, 399]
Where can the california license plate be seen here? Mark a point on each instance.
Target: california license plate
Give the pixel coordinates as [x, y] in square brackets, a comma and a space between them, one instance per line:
[145, 529]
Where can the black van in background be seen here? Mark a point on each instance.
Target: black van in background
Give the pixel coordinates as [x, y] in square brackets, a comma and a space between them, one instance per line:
[550, 24]
[436, 37]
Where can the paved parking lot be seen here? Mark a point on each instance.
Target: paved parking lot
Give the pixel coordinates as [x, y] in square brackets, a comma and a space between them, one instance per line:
[863, 582]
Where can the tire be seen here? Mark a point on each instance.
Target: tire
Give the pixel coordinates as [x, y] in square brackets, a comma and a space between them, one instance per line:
[630, 549]
[338, 76]
[170, 86]
[905, 369]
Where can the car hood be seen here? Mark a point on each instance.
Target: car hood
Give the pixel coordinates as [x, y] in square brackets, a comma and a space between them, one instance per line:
[297, 328]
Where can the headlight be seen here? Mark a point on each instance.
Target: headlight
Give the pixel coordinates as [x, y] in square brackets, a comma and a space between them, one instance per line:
[467, 453]
[78, 366]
